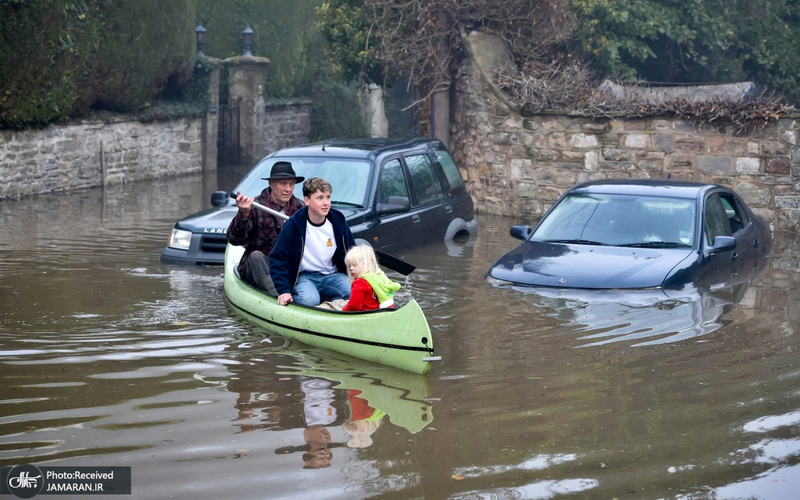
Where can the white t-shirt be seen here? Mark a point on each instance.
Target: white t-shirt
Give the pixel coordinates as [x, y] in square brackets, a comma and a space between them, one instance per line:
[320, 247]
[318, 406]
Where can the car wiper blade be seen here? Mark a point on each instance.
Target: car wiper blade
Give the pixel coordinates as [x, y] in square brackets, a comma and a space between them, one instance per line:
[347, 204]
[657, 244]
[578, 242]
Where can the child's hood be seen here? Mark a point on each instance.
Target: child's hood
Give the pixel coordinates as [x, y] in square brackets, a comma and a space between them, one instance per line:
[381, 285]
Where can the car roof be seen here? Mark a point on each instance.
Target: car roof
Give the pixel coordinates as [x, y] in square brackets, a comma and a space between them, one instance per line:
[645, 187]
[354, 147]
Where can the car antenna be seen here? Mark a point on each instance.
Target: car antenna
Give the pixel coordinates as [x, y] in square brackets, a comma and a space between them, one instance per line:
[323, 146]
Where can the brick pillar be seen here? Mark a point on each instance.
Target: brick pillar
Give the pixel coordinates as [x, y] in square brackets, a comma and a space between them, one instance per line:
[247, 85]
[211, 120]
[440, 116]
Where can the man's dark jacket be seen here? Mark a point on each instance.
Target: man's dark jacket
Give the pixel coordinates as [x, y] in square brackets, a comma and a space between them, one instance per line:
[260, 230]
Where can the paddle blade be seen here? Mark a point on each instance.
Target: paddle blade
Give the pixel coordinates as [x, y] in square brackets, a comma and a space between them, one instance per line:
[394, 263]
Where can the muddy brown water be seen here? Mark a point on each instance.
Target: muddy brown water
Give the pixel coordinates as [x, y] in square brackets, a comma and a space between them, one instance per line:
[109, 357]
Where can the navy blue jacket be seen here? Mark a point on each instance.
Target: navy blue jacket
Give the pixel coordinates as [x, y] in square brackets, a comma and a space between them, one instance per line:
[284, 260]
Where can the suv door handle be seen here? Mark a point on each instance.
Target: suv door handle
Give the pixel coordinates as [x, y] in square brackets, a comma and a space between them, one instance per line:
[415, 218]
[448, 209]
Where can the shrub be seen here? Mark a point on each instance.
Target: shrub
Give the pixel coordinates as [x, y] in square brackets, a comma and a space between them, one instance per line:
[43, 45]
[143, 44]
[336, 111]
[64, 58]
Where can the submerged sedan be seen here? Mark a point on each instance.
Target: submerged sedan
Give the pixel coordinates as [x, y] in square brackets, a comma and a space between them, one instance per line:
[637, 234]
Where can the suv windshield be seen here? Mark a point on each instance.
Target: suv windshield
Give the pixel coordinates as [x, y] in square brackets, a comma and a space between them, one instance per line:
[349, 178]
[620, 220]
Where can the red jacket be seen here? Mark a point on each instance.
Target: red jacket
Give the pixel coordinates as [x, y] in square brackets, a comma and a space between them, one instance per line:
[362, 297]
[359, 407]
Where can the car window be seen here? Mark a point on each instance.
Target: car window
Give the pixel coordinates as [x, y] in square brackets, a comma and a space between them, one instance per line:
[349, 178]
[620, 220]
[425, 183]
[667, 220]
[737, 216]
[714, 220]
[450, 170]
[570, 218]
[392, 181]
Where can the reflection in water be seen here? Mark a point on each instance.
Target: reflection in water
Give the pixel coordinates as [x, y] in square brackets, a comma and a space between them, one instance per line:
[331, 395]
[109, 357]
[646, 317]
[405, 397]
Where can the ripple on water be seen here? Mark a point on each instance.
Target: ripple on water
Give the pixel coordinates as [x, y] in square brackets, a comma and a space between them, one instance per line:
[109, 356]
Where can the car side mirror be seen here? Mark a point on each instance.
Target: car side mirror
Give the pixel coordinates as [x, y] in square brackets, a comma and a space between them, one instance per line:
[722, 244]
[521, 232]
[395, 205]
[218, 198]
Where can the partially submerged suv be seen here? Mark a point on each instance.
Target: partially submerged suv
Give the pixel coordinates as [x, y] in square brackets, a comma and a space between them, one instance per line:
[395, 195]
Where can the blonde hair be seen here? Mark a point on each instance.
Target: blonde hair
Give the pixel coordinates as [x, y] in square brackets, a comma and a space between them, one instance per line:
[361, 432]
[364, 255]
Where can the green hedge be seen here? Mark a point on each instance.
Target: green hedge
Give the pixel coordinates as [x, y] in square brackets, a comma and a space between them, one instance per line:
[42, 50]
[144, 45]
[335, 111]
[63, 58]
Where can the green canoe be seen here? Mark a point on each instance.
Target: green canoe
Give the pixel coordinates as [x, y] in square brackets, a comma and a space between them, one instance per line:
[394, 337]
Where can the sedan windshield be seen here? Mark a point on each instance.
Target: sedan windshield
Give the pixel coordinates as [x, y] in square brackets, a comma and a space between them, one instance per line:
[620, 220]
[349, 178]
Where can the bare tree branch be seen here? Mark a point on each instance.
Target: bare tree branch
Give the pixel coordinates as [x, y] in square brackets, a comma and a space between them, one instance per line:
[423, 38]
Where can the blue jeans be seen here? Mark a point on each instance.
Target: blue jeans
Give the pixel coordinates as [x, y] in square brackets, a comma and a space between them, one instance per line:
[312, 288]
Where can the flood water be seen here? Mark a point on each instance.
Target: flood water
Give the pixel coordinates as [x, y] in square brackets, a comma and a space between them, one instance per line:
[109, 357]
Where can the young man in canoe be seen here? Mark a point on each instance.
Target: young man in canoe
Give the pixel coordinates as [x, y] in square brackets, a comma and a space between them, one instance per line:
[307, 263]
[257, 230]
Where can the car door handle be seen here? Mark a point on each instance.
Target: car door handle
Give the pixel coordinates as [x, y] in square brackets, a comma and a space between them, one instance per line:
[756, 243]
[415, 218]
[734, 255]
[448, 209]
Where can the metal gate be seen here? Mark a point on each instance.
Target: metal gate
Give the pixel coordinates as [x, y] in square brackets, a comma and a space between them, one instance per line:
[228, 137]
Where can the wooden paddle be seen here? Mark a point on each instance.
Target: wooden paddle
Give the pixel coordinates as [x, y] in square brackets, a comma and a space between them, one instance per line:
[384, 259]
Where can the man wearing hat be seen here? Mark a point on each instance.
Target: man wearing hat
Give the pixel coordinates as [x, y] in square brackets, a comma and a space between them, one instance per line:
[257, 230]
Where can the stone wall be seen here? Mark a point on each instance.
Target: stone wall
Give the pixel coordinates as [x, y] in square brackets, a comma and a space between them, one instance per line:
[284, 125]
[516, 165]
[77, 156]
[83, 155]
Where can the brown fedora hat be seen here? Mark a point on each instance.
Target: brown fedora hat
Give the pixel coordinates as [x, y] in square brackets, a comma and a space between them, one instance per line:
[283, 170]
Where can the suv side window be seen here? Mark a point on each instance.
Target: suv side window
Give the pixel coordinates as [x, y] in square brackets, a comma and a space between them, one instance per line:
[424, 181]
[392, 182]
[450, 170]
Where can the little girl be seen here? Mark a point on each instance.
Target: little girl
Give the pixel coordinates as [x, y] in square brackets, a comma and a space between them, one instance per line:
[370, 288]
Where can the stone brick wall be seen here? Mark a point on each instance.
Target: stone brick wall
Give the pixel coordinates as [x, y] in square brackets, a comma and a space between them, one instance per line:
[81, 155]
[516, 165]
[284, 125]
[78, 156]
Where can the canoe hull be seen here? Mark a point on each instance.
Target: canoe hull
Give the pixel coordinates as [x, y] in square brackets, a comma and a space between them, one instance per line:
[400, 338]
